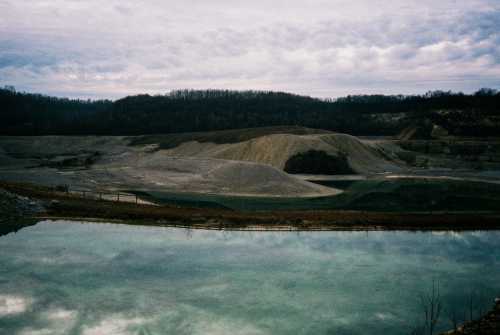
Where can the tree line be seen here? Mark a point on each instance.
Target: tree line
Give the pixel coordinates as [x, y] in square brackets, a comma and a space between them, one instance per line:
[23, 113]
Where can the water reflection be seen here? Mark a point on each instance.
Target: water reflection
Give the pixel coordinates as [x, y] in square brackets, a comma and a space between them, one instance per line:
[75, 278]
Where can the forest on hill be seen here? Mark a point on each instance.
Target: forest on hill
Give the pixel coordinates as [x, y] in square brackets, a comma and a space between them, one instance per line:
[461, 114]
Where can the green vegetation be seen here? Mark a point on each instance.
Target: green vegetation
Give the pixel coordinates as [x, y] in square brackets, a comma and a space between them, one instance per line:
[394, 195]
[422, 195]
[318, 162]
[209, 110]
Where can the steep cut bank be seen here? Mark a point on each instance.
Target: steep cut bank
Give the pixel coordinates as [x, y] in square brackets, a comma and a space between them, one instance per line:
[348, 152]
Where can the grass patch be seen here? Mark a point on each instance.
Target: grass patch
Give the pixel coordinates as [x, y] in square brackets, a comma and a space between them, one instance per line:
[394, 195]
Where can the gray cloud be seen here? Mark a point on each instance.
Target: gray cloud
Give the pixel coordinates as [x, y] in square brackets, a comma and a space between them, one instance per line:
[322, 48]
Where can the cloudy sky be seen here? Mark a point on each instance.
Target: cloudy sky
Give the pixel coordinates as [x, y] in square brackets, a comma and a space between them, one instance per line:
[324, 48]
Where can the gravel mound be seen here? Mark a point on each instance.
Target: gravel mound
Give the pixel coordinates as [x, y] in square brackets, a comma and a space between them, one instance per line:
[218, 176]
[276, 150]
[119, 166]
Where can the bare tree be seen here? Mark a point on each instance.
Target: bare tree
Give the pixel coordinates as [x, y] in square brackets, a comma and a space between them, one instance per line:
[432, 307]
[417, 330]
[471, 305]
[453, 316]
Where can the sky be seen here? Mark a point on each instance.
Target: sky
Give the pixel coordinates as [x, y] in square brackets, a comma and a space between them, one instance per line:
[322, 48]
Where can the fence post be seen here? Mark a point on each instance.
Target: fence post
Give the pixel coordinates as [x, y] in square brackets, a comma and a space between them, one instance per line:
[100, 195]
[83, 194]
[136, 199]
[118, 197]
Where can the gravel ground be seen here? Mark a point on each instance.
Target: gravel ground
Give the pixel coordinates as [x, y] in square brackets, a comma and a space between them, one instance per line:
[123, 167]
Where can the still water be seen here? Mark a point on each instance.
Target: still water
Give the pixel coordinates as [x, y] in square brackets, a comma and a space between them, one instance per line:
[87, 278]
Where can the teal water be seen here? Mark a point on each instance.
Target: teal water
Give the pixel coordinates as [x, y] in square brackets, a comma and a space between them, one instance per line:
[85, 278]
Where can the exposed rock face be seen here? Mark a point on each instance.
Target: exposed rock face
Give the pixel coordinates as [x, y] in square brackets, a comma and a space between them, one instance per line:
[462, 148]
[487, 325]
[419, 131]
[483, 154]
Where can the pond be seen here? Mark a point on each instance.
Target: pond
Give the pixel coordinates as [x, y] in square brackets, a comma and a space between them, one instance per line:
[61, 277]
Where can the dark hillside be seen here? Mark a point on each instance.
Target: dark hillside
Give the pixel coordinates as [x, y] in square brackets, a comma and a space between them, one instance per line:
[210, 110]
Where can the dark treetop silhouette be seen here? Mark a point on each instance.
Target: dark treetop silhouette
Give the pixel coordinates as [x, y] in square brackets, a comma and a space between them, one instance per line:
[189, 110]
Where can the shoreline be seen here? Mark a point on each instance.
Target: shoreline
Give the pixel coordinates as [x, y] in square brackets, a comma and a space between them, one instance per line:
[260, 228]
[59, 205]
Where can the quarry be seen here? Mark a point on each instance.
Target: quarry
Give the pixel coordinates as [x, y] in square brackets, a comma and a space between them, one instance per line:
[279, 162]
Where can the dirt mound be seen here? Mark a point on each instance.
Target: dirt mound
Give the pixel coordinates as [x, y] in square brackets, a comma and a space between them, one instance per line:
[219, 176]
[54, 160]
[169, 141]
[276, 150]
[248, 178]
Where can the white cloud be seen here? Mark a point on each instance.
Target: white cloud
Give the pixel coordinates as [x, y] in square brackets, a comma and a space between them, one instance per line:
[385, 316]
[59, 322]
[114, 324]
[319, 47]
[13, 304]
